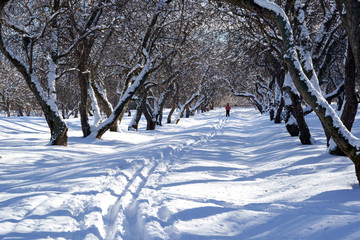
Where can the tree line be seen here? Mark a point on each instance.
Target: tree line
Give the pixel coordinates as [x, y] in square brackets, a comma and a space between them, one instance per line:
[95, 57]
[310, 53]
[287, 58]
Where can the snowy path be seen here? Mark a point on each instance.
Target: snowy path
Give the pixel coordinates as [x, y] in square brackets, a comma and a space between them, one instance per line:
[251, 181]
[89, 189]
[207, 178]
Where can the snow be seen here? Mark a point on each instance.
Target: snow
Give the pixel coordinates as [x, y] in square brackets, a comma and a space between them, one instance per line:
[209, 177]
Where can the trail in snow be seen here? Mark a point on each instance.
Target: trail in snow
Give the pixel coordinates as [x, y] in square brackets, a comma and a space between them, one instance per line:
[209, 177]
[164, 157]
[252, 181]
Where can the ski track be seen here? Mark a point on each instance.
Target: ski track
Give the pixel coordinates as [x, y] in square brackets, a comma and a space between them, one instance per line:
[202, 179]
[37, 189]
[125, 210]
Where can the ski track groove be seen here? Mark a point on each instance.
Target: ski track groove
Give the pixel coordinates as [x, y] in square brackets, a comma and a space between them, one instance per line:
[111, 218]
[166, 155]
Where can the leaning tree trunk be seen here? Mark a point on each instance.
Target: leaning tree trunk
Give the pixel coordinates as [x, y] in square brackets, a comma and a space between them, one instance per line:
[174, 105]
[58, 127]
[105, 104]
[172, 110]
[150, 120]
[129, 93]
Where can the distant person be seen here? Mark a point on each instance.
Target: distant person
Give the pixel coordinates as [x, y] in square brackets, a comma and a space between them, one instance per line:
[227, 108]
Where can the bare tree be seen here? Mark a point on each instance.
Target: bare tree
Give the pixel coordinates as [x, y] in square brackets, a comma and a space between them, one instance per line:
[342, 137]
[25, 41]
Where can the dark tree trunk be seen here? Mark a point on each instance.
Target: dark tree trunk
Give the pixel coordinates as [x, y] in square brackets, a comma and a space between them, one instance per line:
[187, 112]
[351, 104]
[272, 114]
[277, 118]
[305, 136]
[84, 76]
[150, 122]
[140, 105]
[351, 21]
[171, 113]
[290, 122]
[159, 117]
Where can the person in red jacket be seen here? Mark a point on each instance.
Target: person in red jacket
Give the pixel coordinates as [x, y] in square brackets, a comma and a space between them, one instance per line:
[227, 108]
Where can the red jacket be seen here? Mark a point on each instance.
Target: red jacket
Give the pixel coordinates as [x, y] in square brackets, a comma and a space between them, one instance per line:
[227, 107]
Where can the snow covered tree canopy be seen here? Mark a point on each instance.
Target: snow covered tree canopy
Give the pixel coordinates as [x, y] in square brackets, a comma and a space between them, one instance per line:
[94, 57]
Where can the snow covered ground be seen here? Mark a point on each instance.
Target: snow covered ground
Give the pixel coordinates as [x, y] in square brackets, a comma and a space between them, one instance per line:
[206, 178]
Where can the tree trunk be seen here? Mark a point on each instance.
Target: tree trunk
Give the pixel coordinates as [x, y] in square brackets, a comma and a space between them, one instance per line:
[58, 129]
[8, 109]
[159, 118]
[290, 121]
[171, 113]
[305, 136]
[187, 112]
[277, 118]
[140, 105]
[150, 121]
[83, 76]
[350, 107]
[105, 105]
[272, 114]
[118, 121]
[350, 15]
[351, 103]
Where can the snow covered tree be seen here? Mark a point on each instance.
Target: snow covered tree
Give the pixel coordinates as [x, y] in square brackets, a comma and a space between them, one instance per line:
[341, 136]
[147, 60]
[28, 34]
[15, 96]
[350, 12]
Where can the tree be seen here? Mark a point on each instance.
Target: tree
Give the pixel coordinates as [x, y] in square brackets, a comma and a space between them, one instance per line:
[29, 33]
[342, 137]
[14, 94]
[148, 60]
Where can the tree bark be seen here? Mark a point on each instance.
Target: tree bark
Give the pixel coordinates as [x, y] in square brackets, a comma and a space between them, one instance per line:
[173, 108]
[290, 121]
[350, 15]
[350, 107]
[83, 77]
[304, 136]
[277, 118]
[105, 105]
[137, 116]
